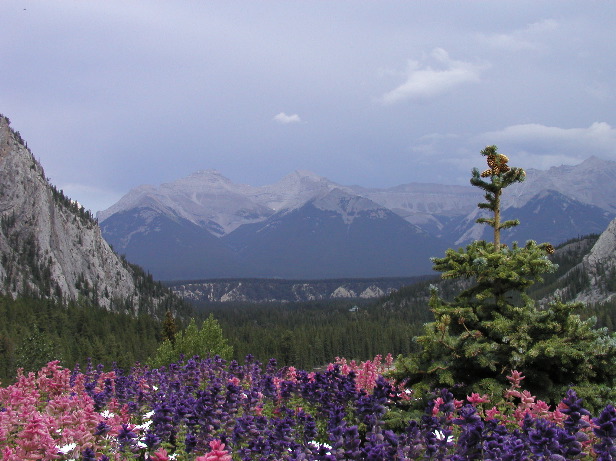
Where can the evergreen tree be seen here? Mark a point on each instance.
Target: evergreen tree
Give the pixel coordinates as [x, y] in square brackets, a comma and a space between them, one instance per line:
[35, 351]
[205, 341]
[493, 327]
[169, 327]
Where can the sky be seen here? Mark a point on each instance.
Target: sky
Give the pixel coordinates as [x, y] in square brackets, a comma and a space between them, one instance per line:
[113, 94]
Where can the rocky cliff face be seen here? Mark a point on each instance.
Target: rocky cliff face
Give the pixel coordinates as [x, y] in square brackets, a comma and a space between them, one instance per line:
[593, 280]
[600, 265]
[52, 247]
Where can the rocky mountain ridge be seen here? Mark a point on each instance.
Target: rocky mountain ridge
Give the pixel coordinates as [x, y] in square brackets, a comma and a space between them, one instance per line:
[306, 226]
[52, 247]
[207, 195]
[284, 291]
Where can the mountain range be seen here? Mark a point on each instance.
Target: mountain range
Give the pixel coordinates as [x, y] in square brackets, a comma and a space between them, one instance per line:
[308, 227]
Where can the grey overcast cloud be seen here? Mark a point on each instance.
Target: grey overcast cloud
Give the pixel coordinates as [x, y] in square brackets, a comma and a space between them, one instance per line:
[113, 94]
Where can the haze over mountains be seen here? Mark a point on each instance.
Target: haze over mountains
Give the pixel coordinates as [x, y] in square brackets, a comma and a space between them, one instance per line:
[308, 227]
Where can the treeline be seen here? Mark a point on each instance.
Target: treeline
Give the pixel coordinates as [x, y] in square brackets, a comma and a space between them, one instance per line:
[306, 335]
[605, 313]
[309, 335]
[34, 331]
[85, 216]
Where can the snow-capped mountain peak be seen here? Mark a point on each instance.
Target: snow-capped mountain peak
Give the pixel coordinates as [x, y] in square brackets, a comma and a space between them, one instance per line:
[293, 190]
[348, 206]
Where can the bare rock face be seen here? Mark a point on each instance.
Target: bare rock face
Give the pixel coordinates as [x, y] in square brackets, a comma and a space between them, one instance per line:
[50, 246]
[600, 265]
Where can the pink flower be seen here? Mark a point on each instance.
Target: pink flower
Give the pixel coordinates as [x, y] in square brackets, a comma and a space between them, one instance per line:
[437, 404]
[9, 455]
[218, 453]
[492, 413]
[292, 374]
[160, 455]
[527, 399]
[475, 398]
[541, 408]
[515, 378]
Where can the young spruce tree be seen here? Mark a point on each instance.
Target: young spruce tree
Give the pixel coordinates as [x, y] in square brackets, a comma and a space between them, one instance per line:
[493, 327]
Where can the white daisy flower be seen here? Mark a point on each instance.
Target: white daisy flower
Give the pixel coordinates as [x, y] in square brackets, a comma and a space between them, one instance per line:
[67, 448]
[440, 435]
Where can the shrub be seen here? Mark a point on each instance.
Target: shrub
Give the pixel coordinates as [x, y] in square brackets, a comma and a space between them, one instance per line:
[206, 341]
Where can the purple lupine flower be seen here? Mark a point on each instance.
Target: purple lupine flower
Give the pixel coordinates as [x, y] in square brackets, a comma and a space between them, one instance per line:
[102, 428]
[190, 443]
[126, 437]
[151, 440]
[606, 431]
[574, 412]
[88, 455]
[471, 439]
[162, 421]
[548, 440]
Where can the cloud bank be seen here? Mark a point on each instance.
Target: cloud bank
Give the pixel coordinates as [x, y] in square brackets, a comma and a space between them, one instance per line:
[599, 138]
[424, 81]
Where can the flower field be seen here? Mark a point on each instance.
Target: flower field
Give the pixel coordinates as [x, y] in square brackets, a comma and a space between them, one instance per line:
[209, 409]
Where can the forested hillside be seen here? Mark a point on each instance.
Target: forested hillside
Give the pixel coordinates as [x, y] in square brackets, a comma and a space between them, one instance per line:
[34, 331]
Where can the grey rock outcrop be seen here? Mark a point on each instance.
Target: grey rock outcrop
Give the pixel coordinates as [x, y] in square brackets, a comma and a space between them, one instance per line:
[50, 246]
[600, 265]
[283, 291]
[593, 280]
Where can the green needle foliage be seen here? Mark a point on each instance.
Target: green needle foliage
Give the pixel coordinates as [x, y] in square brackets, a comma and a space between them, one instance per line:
[493, 327]
[206, 341]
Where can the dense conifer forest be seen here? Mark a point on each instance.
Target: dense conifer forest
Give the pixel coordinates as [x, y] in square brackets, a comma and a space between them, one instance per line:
[35, 331]
[309, 335]
[306, 335]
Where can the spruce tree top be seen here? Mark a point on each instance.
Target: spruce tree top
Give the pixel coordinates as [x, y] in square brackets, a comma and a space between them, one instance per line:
[496, 268]
[501, 176]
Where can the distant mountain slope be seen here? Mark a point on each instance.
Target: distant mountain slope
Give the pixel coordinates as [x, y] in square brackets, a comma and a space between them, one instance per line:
[299, 227]
[170, 247]
[335, 235]
[52, 247]
[597, 272]
[282, 291]
[591, 182]
[549, 216]
[429, 206]
[206, 198]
